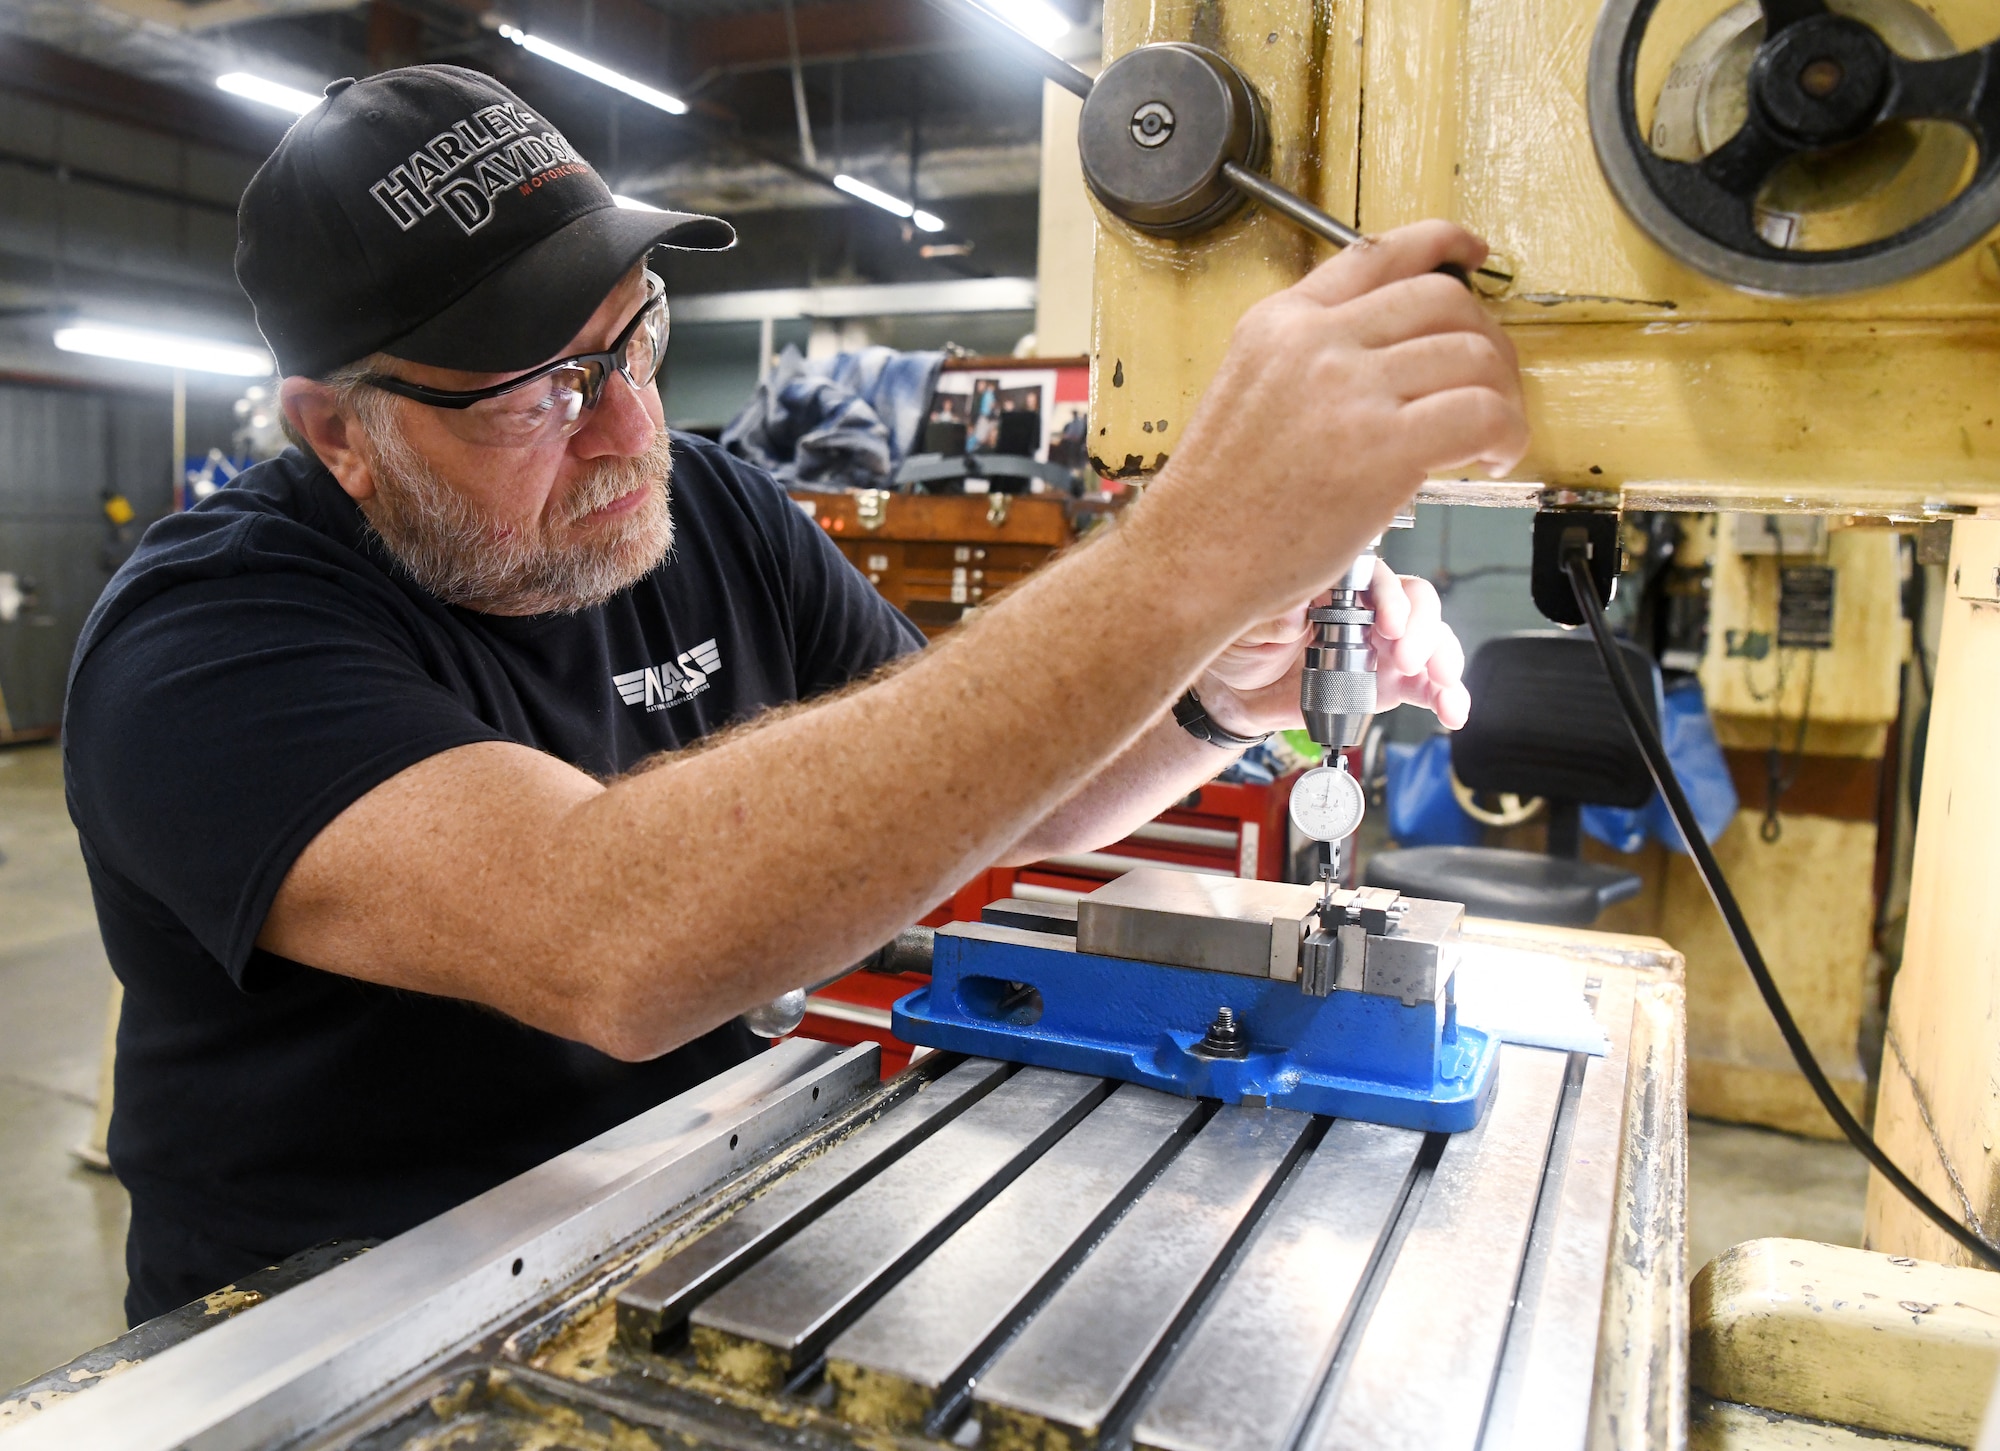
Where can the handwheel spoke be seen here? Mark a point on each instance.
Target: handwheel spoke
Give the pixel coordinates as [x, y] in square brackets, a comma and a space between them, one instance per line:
[1742, 164]
[1950, 89]
[1780, 13]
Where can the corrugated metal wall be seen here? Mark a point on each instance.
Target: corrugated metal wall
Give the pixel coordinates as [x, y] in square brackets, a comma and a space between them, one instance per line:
[61, 451]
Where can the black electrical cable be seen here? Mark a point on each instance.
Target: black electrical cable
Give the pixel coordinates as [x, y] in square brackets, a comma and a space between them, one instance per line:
[1577, 567]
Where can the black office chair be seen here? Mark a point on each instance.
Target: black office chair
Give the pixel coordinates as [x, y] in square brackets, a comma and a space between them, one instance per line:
[1544, 723]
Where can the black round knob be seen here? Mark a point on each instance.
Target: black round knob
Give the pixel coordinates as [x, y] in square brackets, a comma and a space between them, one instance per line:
[1158, 126]
[1821, 80]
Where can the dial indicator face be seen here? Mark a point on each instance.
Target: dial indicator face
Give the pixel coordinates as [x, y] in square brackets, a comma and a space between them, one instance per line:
[1327, 804]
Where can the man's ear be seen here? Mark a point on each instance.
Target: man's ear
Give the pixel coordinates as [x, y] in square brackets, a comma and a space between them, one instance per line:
[332, 432]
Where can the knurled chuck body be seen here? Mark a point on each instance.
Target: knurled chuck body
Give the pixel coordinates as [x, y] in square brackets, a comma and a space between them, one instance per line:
[1337, 688]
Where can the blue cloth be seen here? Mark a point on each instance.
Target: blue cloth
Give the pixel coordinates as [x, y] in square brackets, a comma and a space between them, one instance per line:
[1689, 737]
[1423, 811]
[836, 423]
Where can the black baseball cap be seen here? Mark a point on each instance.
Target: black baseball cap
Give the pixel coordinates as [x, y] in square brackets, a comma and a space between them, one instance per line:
[430, 213]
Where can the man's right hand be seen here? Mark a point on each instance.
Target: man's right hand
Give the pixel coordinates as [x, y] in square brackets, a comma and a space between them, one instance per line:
[1336, 397]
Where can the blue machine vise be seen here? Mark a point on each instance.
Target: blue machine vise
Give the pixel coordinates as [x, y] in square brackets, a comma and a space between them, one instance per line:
[1217, 987]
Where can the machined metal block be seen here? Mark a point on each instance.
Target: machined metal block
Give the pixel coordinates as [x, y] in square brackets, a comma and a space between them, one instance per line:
[1071, 1373]
[912, 1355]
[1415, 960]
[774, 1318]
[1216, 924]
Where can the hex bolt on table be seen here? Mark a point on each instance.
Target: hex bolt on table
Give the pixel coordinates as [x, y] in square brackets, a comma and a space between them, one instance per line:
[982, 1255]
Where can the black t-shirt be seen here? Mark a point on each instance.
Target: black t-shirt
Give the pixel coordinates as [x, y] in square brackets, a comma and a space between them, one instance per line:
[261, 663]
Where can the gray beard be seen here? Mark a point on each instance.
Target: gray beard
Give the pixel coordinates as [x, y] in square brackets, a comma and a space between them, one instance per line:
[460, 555]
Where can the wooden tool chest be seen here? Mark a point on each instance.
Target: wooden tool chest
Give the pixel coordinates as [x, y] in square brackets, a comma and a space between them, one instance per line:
[934, 556]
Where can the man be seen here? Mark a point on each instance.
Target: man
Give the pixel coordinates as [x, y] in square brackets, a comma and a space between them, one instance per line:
[384, 759]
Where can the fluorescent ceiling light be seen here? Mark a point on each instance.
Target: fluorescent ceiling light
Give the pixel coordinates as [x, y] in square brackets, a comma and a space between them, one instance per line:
[1036, 19]
[269, 93]
[603, 75]
[168, 350]
[893, 205]
[633, 204]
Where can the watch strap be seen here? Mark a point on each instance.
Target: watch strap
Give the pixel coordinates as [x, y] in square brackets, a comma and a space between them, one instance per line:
[1192, 717]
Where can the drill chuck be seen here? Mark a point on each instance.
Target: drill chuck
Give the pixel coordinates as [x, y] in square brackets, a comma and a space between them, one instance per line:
[1337, 690]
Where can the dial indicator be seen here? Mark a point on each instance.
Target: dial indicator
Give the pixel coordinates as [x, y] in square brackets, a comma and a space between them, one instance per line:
[1327, 804]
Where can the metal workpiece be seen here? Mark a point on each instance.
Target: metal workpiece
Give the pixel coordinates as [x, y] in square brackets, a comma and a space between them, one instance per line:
[653, 1309]
[1068, 1376]
[1213, 924]
[775, 1318]
[910, 1358]
[1413, 960]
[1436, 1331]
[1246, 1377]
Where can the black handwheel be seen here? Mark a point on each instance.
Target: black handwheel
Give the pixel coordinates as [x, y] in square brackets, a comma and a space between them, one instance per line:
[1820, 80]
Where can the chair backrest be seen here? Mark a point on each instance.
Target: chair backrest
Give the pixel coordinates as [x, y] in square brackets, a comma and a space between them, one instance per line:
[1546, 723]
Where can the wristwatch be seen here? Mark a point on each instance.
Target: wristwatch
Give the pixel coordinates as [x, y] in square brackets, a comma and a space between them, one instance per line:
[1192, 718]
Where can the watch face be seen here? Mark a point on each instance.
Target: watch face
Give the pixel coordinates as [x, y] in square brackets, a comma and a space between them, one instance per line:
[1327, 804]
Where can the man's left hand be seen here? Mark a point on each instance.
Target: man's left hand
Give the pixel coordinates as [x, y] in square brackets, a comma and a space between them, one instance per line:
[1253, 686]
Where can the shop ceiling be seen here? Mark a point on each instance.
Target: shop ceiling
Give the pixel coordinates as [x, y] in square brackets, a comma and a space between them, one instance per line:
[894, 94]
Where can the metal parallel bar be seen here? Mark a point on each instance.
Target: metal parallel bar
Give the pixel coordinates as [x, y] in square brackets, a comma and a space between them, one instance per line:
[1541, 1401]
[775, 1317]
[318, 1350]
[1032, 915]
[655, 1306]
[1422, 1375]
[1116, 864]
[1247, 1377]
[860, 1014]
[911, 1356]
[1035, 892]
[1071, 1372]
[1208, 836]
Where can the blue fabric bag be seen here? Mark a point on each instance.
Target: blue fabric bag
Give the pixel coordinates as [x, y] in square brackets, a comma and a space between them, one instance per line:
[1696, 756]
[1423, 811]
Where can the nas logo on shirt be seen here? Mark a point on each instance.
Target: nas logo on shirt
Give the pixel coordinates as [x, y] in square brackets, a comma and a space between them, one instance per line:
[659, 686]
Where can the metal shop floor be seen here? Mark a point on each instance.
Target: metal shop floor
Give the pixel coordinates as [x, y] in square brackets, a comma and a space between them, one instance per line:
[62, 1226]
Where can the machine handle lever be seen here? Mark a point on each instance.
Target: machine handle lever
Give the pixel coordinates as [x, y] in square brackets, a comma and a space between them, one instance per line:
[1053, 66]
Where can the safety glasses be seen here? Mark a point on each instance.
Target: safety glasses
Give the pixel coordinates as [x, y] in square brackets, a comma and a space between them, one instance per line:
[549, 403]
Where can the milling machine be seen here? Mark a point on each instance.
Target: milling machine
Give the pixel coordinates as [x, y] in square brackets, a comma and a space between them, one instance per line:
[796, 1258]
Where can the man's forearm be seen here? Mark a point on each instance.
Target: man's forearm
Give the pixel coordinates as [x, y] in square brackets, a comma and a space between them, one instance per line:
[639, 915]
[1161, 767]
